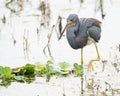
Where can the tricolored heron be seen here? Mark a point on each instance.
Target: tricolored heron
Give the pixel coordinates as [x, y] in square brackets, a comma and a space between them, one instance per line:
[82, 32]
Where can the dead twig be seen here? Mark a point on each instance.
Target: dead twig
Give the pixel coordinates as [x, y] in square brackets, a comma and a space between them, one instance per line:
[59, 26]
[13, 39]
[48, 44]
[26, 44]
[107, 86]
[10, 3]
[104, 62]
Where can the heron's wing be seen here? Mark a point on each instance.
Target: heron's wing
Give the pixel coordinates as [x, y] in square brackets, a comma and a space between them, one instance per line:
[94, 32]
[93, 28]
[95, 22]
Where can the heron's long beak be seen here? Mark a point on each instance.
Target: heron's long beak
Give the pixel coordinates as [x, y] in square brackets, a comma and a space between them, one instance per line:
[66, 27]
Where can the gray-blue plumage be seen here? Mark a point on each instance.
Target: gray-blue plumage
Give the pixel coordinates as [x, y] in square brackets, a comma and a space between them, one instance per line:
[79, 33]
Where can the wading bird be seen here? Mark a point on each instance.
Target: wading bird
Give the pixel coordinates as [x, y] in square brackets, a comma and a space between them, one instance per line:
[82, 32]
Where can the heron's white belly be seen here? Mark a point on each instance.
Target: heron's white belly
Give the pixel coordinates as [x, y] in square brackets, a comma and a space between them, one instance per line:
[90, 41]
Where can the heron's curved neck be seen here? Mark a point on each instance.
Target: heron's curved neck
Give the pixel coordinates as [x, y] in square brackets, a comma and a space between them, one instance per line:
[71, 36]
[77, 25]
[72, 33]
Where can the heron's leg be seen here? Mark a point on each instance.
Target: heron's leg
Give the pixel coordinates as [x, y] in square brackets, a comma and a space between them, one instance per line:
[82, 79]
[81, 56]
[90, 66]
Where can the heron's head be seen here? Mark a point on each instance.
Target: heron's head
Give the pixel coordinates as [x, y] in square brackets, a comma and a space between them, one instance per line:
[72, 20]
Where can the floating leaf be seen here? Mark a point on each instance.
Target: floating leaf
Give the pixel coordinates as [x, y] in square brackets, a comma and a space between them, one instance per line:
[19, 78]
[49, 62]
[29, 69]
[64, 66]
[7, 72]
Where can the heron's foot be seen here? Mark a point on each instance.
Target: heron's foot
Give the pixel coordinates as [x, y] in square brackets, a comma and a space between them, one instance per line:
[90, 66]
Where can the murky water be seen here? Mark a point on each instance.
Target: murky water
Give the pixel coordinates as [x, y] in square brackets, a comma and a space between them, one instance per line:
[22, 40]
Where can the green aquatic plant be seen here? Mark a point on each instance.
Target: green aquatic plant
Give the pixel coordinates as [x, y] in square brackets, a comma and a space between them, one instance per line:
[26, 73]
[78, 69]
[50, 71]
[28, 70]
[1, 71]
[64, 66]
[6, 75]
[19, 78]
[40, 69]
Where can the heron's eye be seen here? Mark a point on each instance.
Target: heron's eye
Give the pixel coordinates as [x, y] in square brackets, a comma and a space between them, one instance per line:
[69, 21]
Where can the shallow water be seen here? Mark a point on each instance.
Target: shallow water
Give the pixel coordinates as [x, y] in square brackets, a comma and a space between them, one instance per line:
[25, 25]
